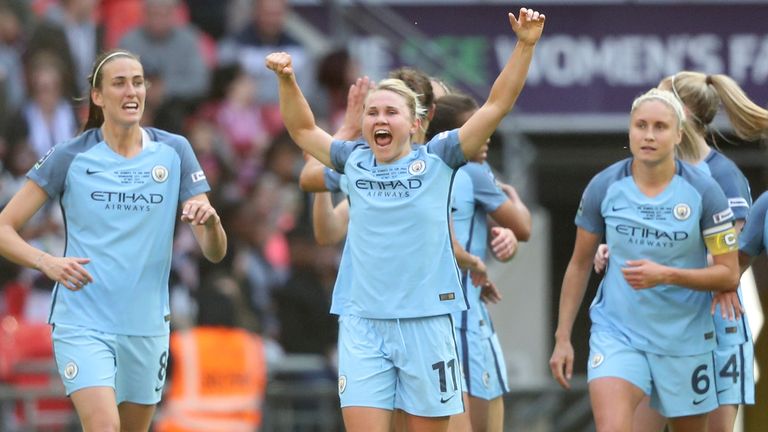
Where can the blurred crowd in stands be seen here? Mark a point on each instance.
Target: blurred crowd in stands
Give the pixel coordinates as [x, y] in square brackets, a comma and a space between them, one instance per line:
[205, 62]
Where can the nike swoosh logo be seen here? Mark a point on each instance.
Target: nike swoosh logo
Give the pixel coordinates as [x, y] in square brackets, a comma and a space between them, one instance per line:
[697, 402]
[444, 400]
[92, 172]
[614, 208]
[157, 389]
[360, 165]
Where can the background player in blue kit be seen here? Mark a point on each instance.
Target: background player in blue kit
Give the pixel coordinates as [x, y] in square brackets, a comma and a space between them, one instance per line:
[119, 186]
[701, 96]
[476, 195]
[652, 333]
[396, 344]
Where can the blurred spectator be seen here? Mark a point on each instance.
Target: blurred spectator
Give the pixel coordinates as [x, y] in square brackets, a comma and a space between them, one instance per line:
[234, 109]
[284, 161]
[336, 72]
[48, 114]
[264, 33]
[27, 293]
[12, 16]
[304, 301]
[209, 16]
[18, 157]
[216, 158]
[119, 17]
[254, 230]
[218, 370]
[70, 31]
[170, 52]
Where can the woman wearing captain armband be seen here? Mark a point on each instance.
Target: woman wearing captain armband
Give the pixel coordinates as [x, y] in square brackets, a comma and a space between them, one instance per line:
[394, 295]
[652, 332]
[703, 97]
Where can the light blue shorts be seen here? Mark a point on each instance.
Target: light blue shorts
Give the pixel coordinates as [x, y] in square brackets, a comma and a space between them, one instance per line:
[735, 378]
[482, 364]
[409, 364]
[134, 366]
[678, 385]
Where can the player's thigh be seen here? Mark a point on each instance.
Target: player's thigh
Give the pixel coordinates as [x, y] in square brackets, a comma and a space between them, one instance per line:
[135, 417]
[619, 377]
[647, 419]
[366, 419]
[96, 408]
[461, 422]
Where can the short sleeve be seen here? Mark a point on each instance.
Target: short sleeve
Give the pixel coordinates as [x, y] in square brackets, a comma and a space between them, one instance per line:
[340, 151]
[487, 192]
[446, 146]
[589, 215]
[751, 237]
[193, 181]
[715, 209]
[50, 171]
[332, 180]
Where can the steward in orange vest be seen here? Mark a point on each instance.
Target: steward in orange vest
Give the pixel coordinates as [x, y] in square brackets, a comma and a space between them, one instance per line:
[218, 376]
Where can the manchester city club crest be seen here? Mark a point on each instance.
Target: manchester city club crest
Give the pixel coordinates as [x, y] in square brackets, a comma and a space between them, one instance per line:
[159, 173]
[417, 167]
[682, 211]
[342, 383]
[597, 360]
[70, 371]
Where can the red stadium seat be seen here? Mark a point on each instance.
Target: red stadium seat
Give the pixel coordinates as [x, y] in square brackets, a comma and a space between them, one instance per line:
[28, 375]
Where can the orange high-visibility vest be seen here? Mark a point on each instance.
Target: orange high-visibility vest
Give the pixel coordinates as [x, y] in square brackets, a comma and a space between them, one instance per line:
[218, 383]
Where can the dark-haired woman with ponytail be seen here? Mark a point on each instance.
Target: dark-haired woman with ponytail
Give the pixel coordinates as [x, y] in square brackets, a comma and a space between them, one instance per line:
[120, 187]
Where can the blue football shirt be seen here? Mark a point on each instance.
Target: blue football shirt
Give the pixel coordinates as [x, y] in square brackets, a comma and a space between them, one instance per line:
[736, 188]
[398, 259]
[475, 194]
[121, 214]
[668, 229]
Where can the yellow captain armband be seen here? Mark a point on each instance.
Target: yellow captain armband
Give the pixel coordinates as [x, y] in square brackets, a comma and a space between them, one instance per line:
[721, 239]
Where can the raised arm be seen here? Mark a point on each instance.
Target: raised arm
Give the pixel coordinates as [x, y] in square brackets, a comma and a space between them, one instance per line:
[295, 110]
[312, 177]
[508, 85]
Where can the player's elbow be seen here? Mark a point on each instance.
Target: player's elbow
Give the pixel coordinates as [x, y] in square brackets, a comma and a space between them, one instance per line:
[523, 234]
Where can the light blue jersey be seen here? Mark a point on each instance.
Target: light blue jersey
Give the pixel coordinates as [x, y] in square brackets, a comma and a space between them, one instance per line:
[121, 214]
[332, 180]
[753, 239]
[398, 259]
[475, 195]
[669, 229]
[736, 188]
